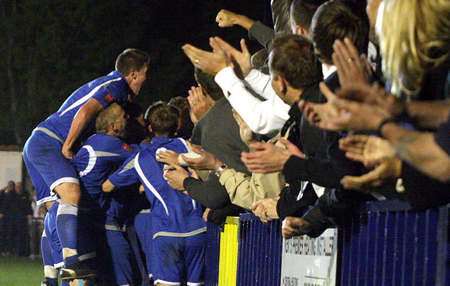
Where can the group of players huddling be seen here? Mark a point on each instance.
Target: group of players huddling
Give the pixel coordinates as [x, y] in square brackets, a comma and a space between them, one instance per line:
[90, 182]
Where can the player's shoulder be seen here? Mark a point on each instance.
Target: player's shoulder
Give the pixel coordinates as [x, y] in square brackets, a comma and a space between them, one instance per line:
[178, 145]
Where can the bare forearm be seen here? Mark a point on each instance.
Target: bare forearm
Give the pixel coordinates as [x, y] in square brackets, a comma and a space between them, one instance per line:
[420, 150]
[78, 124]
[81, 119]
[244, 22]
[428, 114]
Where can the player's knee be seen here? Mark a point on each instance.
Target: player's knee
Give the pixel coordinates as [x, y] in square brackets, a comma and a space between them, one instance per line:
[69, 192]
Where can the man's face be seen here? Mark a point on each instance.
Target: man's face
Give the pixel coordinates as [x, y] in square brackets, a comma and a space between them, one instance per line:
[137, 79]
[275, 80]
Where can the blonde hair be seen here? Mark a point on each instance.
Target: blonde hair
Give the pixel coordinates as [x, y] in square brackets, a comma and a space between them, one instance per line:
[106, 117]
[415, 39]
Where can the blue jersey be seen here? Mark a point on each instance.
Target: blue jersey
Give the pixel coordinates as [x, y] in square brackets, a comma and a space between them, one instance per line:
[173, 212]
[95, 161]
[106, 90]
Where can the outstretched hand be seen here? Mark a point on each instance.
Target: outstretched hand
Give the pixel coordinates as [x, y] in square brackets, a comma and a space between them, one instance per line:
[351, 67]
[369, 150]
[265, 209]
[175, 176]
[267, 157]
[240, 59]
[204, 160]
[199, 103]
[209, 62]
[388, 169]
[168, 157]
[342, 114]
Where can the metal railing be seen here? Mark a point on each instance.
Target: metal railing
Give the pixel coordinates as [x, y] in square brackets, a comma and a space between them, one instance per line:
[385, 244]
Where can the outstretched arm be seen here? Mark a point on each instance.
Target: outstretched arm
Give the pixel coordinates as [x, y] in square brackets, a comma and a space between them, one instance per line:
[420, 150]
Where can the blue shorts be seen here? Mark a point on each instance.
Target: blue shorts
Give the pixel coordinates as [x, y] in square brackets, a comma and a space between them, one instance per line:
[46, 165]
[52, 236]
[179, 259]
[143, 228]
[117, 259]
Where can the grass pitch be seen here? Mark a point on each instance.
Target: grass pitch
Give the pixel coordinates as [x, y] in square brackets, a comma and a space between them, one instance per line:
[20, 271]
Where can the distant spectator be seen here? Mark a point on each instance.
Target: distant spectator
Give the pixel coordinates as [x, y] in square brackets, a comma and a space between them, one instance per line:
[17, 211]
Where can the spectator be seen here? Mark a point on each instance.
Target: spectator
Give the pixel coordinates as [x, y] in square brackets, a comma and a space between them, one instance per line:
[17, 212]
[423, 153]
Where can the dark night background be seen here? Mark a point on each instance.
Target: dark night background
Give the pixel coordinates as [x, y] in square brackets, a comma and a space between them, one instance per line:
[49, 48]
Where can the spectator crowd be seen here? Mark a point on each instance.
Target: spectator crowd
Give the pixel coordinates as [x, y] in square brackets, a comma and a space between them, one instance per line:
[15, 220]
[346, 102]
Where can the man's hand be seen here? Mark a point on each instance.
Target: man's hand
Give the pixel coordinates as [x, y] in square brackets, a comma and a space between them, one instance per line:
[373, 95]
[199, 102]
[205, 161]
[369, 150]
[67, 152]
[107, 186]
[386, 170]
[293, 226]
[265, 209]
[175, 177]
[205, 214]
[265, 158]
[226, 18]
[342, 114]
[351, 68]
[168, 157]
[240, 59]
[291, 147]
[209, 62]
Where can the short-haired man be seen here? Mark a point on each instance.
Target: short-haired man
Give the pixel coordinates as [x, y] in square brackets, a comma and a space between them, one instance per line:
[178, 230]
[49, 169]
[301, 13]
[335, 20]
[100, 155]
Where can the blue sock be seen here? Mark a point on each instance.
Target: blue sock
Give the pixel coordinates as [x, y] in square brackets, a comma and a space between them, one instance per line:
[67, 227]
[46, 251]
[50, 273]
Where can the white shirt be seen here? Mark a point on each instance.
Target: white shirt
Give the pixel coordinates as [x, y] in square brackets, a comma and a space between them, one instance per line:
[328, 70]
[262, 116]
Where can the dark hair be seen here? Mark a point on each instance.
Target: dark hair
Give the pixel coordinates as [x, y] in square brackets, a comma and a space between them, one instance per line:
[163, 118]
[131, 60]
[151, 108]
[333, 21]
[302, 11]
[181, 103]
[292, 56]
[208, 84]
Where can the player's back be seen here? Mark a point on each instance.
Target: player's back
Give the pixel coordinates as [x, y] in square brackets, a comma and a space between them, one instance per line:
[105, 90]
[172, 210]
[95, 161]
